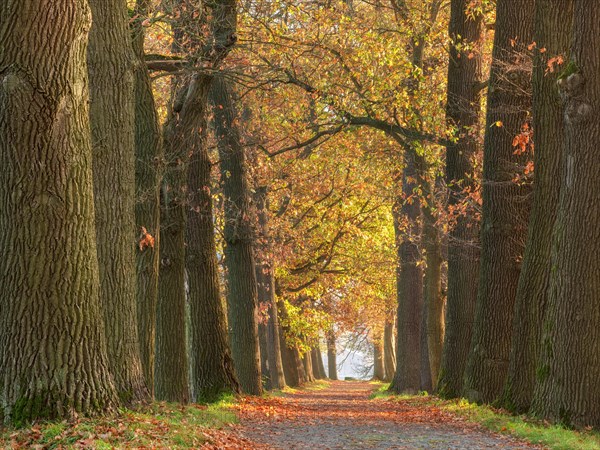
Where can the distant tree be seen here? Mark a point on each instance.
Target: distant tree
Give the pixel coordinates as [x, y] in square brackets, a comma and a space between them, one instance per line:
[53, 360]
[265, 279]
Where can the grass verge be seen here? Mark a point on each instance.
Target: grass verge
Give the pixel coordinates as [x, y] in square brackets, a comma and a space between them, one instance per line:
[555, 437]
[155, 426]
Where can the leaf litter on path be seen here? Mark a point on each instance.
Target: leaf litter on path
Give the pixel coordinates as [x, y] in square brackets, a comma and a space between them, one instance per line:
[344, 417]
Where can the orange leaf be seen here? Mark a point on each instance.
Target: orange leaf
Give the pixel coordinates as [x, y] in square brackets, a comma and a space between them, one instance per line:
[146, 240]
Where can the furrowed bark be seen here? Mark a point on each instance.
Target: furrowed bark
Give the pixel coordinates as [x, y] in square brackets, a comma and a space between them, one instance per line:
[239, 257]
[463, 110]
[506, 202]
[553, 33]
[569, 370]
[148, 176]
[53, 358]
[112, 118]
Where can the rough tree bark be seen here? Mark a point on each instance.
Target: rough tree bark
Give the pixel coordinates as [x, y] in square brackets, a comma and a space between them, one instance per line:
[505, 202]
[148, 160]
[463, 108]
[112, 118]
[552, 32]
[409, 282]
[53, 360]
[238, 235]
[266, 290]
[569, 372]
[433, 314]
[212, 364]
[171, 368]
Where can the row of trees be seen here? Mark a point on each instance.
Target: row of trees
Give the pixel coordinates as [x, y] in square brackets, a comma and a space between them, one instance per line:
[355, 175]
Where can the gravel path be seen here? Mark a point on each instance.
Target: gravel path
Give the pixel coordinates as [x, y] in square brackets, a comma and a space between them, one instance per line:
[343, 417]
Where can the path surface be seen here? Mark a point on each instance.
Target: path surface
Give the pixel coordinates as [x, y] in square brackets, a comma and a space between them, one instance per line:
[343, 417]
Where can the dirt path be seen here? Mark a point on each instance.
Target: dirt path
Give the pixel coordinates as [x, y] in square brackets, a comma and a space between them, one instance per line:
[343, 417]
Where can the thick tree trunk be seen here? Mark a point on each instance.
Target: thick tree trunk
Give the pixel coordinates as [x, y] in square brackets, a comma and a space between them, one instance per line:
[290, 369]
[378, 362]
[389, 351]
[53, 360]
[266, 291]
[148, 160]
[552, 32]
[462, 110]
[302, 377]
[212, 364]
[317, 361]
[112, 121]
[569, 373]
[238, 235]
[331, 356]
[308, 367]
[171, 367]
[409, 281]
[505, 202]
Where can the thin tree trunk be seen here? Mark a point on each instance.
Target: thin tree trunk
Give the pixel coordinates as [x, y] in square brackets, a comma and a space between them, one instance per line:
[569, 372]
[51, 321]
[331, 356]
[264, 360]
[238, 235]
[433, 298]
[112, 119]
[505, 202]
[553, 32]
[266, 291]
[148, 159]
[389, 351]
[426, 382]
[463, 110]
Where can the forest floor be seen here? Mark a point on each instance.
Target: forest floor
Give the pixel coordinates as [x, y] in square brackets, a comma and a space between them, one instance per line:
[345, 416]
[323, 415]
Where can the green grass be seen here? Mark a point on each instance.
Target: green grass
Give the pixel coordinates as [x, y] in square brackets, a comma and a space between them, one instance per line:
[159, 425]
[555, 437]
